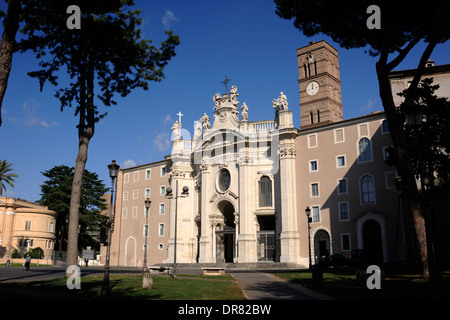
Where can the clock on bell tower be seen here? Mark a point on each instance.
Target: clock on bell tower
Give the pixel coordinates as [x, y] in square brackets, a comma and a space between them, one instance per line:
[320, 84]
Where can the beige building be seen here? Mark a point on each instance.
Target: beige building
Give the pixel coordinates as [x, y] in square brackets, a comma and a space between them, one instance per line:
[24, 226]
[240, 188]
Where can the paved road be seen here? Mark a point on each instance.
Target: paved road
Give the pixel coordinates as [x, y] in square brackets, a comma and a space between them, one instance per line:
[266, 286]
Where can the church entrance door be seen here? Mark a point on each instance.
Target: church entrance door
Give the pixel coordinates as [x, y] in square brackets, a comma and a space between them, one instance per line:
[226, 238]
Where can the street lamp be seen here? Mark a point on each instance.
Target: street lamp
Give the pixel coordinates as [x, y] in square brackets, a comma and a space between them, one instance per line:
[308, 213]
[113, 171]
[147, 281]
[169, 194]
[147, 211]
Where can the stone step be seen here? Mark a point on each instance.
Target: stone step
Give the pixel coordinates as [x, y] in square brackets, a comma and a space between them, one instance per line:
[196, 268]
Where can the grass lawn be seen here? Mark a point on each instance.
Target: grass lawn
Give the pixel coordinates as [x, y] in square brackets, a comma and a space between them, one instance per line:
[130, 287]
[397, 285]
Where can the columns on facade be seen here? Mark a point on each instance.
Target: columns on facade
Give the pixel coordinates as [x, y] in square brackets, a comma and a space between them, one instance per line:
[7, 236]
[246, 241]
[289, 237]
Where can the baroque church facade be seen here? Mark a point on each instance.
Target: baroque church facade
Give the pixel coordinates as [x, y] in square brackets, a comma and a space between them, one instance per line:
[236, 190]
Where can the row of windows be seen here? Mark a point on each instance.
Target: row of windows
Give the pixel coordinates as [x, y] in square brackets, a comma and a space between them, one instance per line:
[134, 211]
[343, 211]
[161, 230]
[148, 175]
[162, 192]
[28, 226]
[339, 134]
[367, 189]
[28, 243]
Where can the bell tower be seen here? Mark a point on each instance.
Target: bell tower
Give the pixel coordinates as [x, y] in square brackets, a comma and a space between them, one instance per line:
[320, 84]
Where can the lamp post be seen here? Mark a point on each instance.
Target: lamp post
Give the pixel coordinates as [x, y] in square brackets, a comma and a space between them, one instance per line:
[169, 194]
[147, 281]
[147, 211]
[308, 213]
[113, 170]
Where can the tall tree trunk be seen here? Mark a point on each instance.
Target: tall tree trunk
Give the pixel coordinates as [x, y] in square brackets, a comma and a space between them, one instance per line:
[396, 124]
[86, 129]
[7, 46]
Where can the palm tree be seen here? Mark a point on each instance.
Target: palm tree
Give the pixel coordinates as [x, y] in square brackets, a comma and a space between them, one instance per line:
[5, 167]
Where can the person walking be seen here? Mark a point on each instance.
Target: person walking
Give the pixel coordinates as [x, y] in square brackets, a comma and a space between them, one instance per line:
[27, 262]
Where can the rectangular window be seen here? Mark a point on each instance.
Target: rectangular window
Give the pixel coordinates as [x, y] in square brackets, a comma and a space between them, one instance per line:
[147, 193]
[341, 161]
[343, 211]
[313, 166]
[162, 208]
[163, 171]
[27, 225]
[342, 186]
[315, 214]
[339, 136]
[136, 176]
[345, 242]
[50, 227]
[135, 194]
[314, 189]
[134, 212]
[126, 178]
[385, 127]
[161, 229]
[312, 141]
[125, 196]
[124, 213]
[148, 174]
[162, 190]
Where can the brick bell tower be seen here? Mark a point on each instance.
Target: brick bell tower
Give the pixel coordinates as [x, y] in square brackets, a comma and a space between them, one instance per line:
[320, 84]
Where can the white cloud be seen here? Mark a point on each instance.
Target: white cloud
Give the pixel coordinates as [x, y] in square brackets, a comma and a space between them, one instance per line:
[368, 107]
[128, 164]
[162, 141]
[167, 119]
[169, 18]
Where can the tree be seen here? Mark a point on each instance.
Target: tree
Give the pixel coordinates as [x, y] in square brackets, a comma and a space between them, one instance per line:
[403, 25]
[56, 191]
[107, 53]
[5, 176]
[11, 25]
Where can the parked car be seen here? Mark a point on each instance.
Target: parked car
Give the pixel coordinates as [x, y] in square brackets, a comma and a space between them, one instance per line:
[334, 260]
[362, 256]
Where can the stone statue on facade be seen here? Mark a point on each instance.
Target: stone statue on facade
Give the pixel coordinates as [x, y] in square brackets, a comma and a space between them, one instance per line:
[176, 130]
[244, 112]
[205, 121]
[197, 129]
[281, 103]
[233, 96]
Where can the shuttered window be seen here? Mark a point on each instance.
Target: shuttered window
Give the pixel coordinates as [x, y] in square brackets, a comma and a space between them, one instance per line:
[265, 192]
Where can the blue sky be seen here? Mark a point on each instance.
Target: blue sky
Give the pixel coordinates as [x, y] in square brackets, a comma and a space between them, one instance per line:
[244, 40]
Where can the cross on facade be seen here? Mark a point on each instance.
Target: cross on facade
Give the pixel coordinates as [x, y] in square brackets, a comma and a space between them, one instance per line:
[179, 114]
[225, 82]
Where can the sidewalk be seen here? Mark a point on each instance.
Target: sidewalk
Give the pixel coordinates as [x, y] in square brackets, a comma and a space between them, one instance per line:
[266, 286]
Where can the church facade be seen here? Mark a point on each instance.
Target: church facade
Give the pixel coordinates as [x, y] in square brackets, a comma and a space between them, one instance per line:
[237, 191]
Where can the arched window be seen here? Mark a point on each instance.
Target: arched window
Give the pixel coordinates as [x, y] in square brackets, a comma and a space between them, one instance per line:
[367, 189]
[265, 192]
[365, 150]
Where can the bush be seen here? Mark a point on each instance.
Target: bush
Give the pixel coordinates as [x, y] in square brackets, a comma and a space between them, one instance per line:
[15, 254]
[35, 253]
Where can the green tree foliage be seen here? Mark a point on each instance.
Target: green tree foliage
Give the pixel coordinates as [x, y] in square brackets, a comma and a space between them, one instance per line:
[403, 25]
[428, 156]
[107, 55]
[55, 193]
[6, 177]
